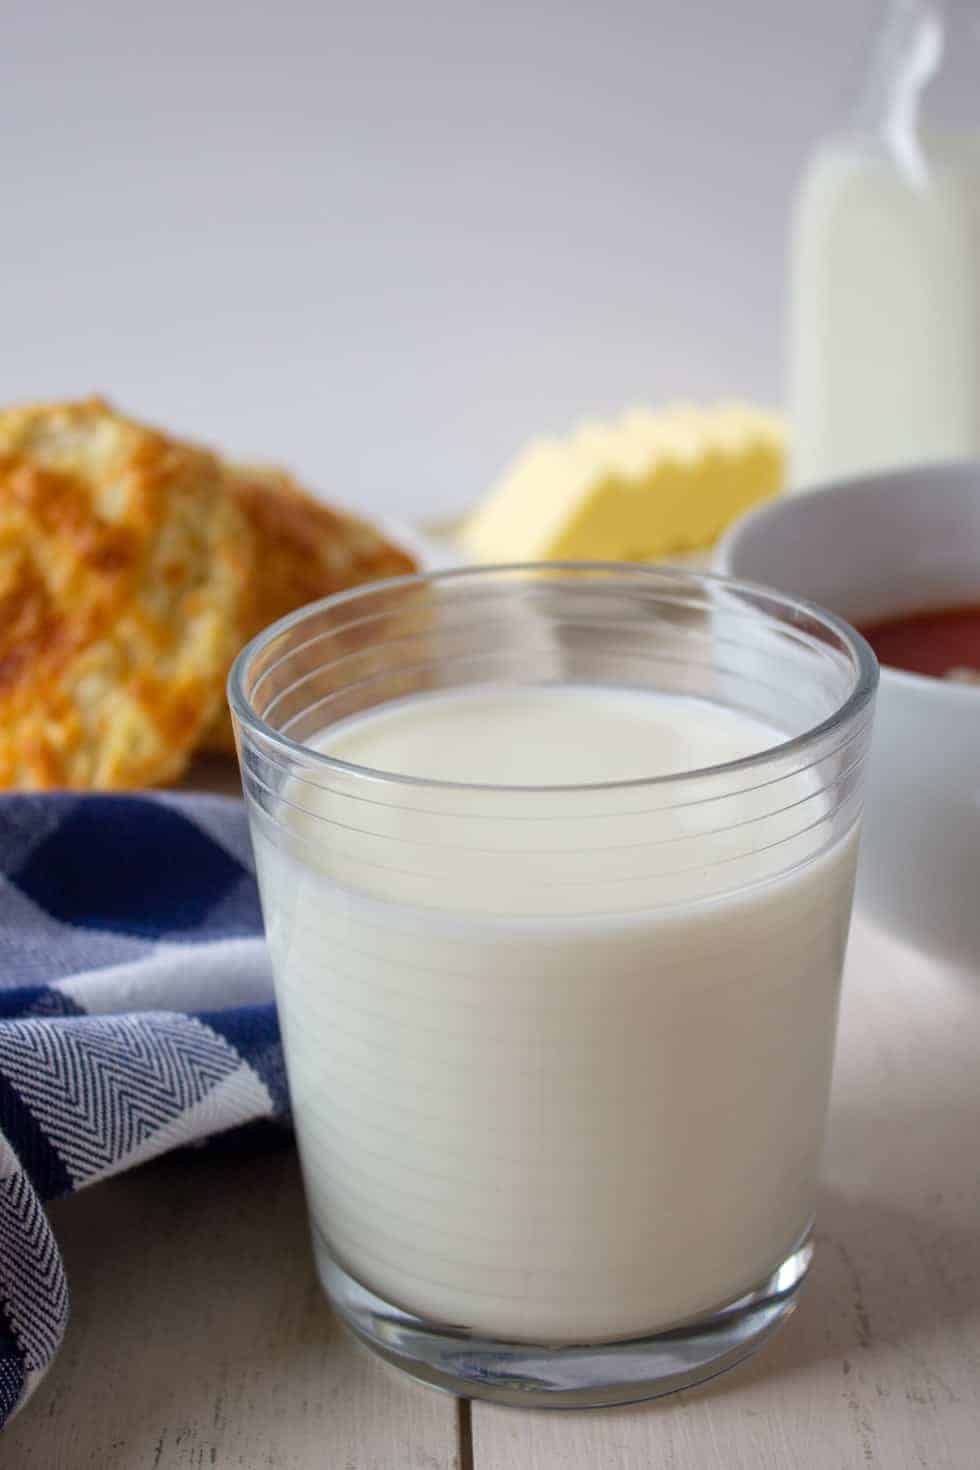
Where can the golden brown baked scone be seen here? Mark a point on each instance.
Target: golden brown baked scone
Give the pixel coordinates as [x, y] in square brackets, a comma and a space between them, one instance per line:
[305, 550]
[123, 564]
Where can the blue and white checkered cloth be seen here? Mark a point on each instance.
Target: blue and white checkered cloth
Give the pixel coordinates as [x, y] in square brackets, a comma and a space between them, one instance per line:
[136, 1016]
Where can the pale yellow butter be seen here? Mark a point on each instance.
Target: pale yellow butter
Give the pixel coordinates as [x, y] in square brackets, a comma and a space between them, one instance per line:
[646, 485]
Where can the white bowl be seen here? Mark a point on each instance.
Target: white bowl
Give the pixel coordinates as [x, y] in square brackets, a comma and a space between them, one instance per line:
[868, 548]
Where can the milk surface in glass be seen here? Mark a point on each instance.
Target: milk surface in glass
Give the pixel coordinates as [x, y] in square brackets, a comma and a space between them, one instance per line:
[551, 1109]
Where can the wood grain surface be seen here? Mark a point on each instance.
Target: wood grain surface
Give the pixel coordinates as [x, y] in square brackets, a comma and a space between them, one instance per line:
[199, 1337]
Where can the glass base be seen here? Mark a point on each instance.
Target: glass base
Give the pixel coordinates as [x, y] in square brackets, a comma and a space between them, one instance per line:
[577, 1376]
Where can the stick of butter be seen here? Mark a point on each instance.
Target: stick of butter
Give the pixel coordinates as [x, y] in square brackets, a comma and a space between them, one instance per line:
[648, 485]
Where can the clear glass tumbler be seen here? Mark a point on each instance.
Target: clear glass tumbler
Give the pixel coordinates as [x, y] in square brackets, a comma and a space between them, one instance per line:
[559, 1057]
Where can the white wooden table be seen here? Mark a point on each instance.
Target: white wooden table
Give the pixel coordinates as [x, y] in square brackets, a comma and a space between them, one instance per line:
[199, 1337]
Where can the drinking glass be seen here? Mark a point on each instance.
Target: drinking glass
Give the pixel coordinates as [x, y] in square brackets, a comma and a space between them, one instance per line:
[559, 1057]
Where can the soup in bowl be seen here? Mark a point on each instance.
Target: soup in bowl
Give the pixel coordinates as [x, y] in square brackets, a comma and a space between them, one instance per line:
[898, 555]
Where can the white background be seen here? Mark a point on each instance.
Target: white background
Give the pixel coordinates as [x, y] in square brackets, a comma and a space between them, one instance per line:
[387, 242]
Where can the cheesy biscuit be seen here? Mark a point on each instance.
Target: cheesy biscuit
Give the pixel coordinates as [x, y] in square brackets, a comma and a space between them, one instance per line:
[123, 572]
[306, 550]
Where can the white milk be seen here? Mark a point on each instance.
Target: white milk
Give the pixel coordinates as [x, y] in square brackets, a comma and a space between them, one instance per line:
[541, 1125]
[885, 310]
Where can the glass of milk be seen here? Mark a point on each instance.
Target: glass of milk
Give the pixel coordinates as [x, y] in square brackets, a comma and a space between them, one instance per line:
[556, 865]
[884, 349]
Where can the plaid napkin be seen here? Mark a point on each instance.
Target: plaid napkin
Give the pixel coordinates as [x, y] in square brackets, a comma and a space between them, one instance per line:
[136, 1016]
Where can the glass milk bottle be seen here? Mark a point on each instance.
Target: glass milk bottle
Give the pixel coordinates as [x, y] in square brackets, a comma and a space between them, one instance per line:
[884, 356]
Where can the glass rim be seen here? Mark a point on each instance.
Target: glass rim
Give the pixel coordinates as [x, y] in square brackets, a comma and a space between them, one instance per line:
[859, 697]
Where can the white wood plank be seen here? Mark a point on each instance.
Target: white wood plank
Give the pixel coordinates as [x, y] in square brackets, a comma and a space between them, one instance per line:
[199, 1338]
[881, 1364]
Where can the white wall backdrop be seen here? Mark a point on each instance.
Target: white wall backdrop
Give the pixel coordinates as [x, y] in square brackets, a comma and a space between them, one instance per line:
[386, 241]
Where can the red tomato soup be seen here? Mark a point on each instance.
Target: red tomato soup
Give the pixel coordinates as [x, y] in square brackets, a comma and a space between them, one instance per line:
[943, 642]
